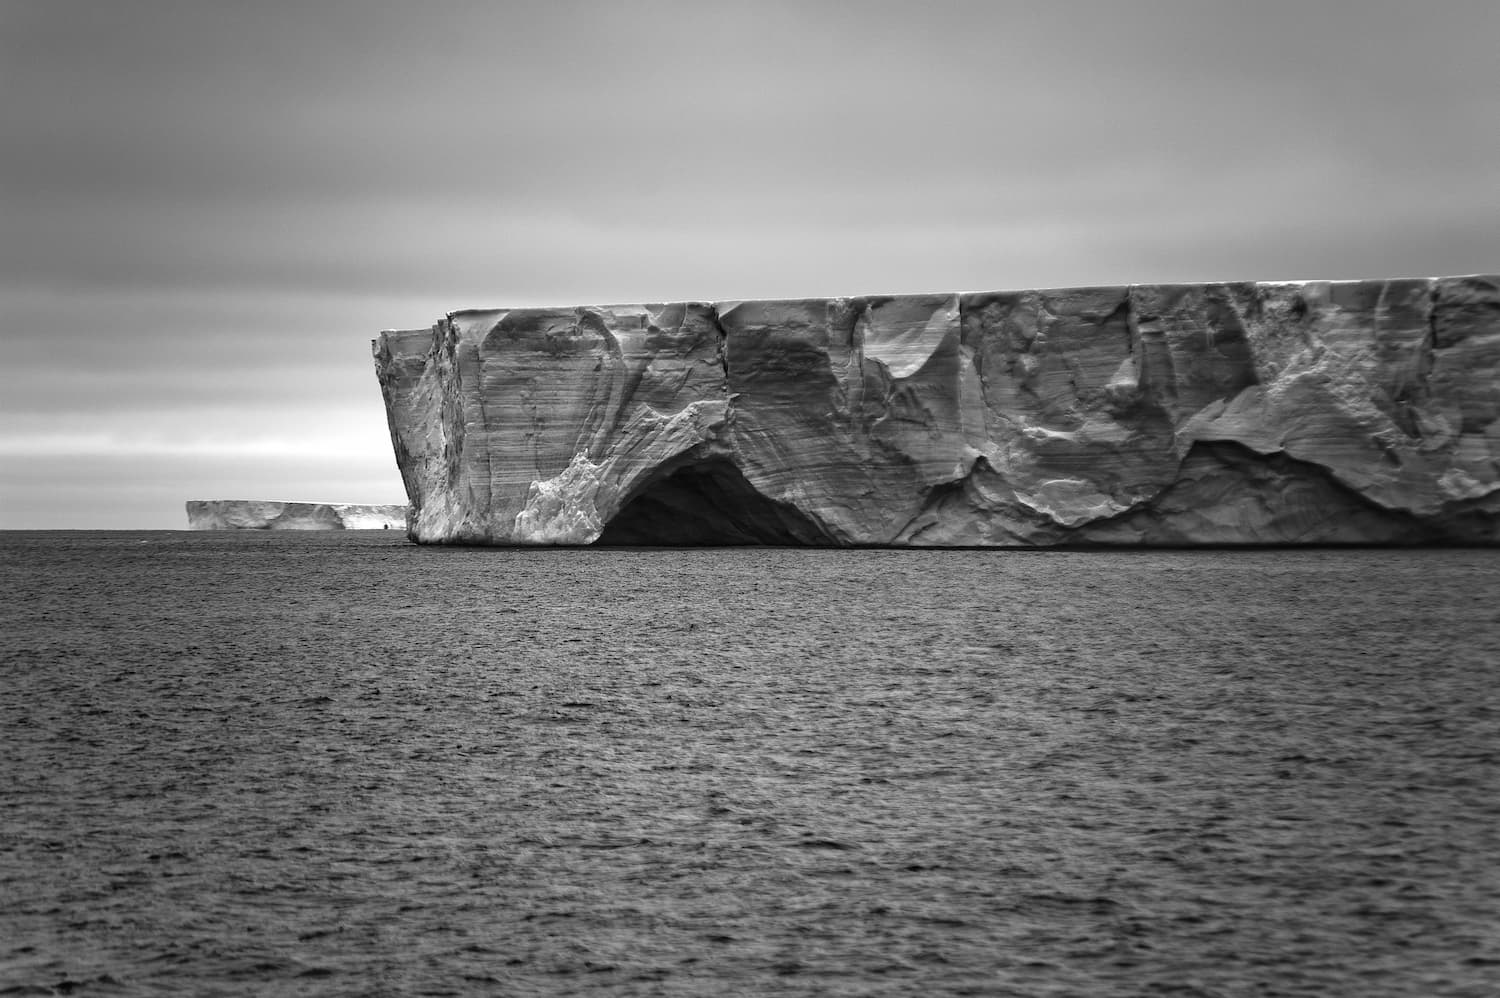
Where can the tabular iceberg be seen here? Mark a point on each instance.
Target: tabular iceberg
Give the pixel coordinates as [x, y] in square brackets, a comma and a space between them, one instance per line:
[1314, 412]
[261, 514]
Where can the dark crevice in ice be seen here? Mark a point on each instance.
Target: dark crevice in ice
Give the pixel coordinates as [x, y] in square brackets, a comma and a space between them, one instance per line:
[705, 505]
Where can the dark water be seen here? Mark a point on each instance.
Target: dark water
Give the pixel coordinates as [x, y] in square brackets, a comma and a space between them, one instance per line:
[285, 764]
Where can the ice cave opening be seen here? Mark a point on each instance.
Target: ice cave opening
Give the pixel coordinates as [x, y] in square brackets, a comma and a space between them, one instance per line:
[706, 505]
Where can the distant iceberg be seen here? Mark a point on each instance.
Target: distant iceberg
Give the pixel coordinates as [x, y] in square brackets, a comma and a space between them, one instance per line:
[260, 514]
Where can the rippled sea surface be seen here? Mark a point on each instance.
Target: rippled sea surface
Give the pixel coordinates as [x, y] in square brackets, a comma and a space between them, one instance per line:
[309, 764]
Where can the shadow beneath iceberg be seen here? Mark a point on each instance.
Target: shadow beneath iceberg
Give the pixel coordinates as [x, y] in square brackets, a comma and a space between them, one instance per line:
[709, 504]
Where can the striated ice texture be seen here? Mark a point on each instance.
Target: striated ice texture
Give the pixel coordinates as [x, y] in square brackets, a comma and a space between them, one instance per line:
[261, 514]
[1311, 412]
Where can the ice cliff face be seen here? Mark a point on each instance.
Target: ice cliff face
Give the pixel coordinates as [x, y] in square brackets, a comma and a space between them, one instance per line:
[255, 514]
[1240, 413]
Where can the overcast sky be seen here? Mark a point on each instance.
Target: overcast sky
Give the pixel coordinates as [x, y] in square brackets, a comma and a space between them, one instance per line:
[207, 209]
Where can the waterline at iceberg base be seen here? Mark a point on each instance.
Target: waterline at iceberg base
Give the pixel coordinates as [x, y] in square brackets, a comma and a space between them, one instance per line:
[1312, 412]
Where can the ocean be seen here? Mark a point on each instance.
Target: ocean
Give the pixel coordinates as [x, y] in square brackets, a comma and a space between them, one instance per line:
[339, 764]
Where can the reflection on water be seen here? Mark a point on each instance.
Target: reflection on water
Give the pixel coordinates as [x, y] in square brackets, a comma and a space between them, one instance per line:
[339, 764]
